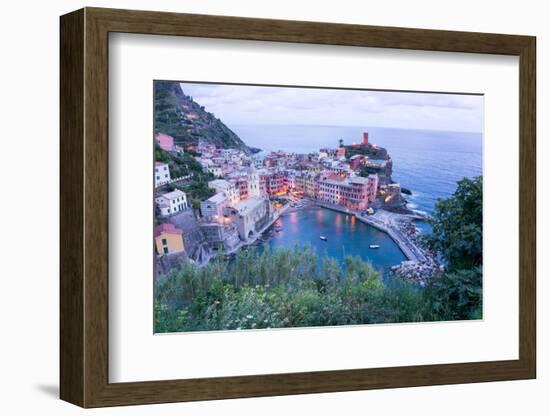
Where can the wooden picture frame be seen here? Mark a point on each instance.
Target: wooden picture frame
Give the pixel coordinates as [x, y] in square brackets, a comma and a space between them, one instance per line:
[84, 207]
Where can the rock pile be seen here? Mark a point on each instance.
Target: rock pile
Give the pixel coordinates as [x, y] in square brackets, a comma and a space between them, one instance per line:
[420, 272]
[417, 272]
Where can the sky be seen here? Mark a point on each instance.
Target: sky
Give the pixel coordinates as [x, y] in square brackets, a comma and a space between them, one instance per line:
[247, 105]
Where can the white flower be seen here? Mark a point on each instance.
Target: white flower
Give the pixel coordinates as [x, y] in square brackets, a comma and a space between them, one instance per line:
[249, 317]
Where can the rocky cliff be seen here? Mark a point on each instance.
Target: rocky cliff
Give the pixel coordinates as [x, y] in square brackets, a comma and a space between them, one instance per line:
[187, 121]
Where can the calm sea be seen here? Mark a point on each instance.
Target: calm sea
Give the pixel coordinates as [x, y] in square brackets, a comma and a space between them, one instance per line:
[429, 163]
[345, 236]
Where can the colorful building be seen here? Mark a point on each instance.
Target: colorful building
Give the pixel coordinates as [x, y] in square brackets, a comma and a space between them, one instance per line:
[306, 183]
[311, 185]
[213, 209]
[165, 142]
[162, 174]
[354, 192]
[327, 153]
[229, 188]
[250, 216]
[264, 175]
[171, 202]
[217, 171]
[253, 183]
[168, 239]
[375, 163]
[277, 184]
[356, 161]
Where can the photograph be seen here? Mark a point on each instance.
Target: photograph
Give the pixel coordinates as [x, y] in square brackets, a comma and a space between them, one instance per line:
[294, 206]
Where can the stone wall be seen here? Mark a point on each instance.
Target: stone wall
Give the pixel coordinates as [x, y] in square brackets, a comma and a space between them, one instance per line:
[193, 236]
[169, 262]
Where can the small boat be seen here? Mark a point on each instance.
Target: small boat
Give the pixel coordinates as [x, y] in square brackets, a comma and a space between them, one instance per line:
[322, 237]
[374, 246]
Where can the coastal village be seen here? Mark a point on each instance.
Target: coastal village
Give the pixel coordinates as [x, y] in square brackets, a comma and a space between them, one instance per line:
[249, 191]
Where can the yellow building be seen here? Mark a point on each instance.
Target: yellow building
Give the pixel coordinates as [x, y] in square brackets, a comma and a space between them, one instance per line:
[168, 239]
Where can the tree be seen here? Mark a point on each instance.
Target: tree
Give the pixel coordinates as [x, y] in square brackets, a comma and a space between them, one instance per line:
[457, 226]
[457, 234]
[456, 295]
[366, 171]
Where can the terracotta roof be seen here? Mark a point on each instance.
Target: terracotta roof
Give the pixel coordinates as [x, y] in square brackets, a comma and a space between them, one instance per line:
[167, 228]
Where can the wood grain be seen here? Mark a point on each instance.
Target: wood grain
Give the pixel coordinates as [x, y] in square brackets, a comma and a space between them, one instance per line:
[84, 207]
[71, 203]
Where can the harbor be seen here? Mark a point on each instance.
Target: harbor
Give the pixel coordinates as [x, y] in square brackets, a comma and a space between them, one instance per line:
[389, 223]
[334, 234]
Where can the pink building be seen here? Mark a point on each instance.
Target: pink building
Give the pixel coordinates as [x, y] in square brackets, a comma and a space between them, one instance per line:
[356, 161]
[277, 184]
[353, 192]
[241, 183]
[264, 176]
[165, 141]
[272, 183]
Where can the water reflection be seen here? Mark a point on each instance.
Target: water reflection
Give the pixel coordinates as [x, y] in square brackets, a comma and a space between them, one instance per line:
[338, 223]
[352, 222]
[345, 236]
[319, 215]
[293, 217]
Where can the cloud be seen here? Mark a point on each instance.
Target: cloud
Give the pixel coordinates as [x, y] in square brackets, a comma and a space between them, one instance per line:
[244, 104]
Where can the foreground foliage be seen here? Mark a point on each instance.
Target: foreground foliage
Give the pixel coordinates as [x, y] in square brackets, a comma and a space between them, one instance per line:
[457, 226]
[283, 288]
[457, 235]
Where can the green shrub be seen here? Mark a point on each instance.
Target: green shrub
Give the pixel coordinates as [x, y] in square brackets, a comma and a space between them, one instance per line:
[281, 288]
[456, 295]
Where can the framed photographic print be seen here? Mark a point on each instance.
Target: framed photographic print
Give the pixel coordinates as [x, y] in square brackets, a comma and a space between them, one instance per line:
[255, 207]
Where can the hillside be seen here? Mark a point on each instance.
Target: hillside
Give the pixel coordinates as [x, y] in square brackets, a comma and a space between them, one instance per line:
[179, 116]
